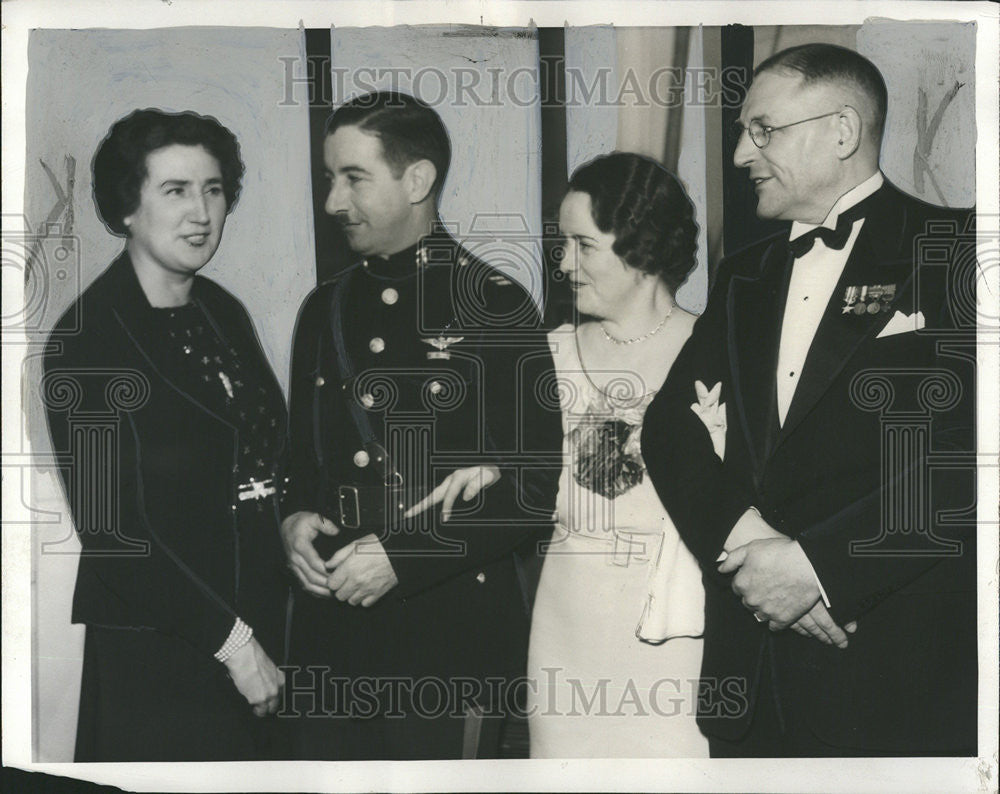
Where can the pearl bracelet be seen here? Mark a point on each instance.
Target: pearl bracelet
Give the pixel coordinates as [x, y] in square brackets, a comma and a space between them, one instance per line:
[238, 637]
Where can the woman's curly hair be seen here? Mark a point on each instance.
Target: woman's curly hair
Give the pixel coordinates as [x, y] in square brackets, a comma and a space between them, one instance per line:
[119, 166]
[645, 207]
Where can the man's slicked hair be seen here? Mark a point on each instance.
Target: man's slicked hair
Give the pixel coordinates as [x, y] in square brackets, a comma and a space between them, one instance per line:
[833, 64]
[410, 130]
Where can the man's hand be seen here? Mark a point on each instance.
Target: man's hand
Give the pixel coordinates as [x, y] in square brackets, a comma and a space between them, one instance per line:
[774, 579]
[298, 532]
[360, 573]
[256, 677]
[467, 482]
[818, 623]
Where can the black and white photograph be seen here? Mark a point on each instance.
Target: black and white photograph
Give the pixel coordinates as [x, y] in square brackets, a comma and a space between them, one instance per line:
[501, 396]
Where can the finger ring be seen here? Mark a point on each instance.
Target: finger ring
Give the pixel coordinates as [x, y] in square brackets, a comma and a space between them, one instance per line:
[758, 618]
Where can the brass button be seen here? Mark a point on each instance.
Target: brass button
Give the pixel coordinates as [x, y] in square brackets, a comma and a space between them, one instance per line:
[367, 400]
[361, 458]
[480, 577]
[435, 387]
[320, 381]
[377, 344]
[389, 296]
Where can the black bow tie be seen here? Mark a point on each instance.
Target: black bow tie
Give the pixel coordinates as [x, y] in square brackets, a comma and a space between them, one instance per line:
[832, 238]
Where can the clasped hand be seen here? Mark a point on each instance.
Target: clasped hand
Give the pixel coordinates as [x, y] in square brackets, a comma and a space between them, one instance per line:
[775, 580]
[359, 573]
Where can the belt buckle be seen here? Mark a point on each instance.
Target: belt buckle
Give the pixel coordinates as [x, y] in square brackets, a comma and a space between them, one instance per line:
[350, 507]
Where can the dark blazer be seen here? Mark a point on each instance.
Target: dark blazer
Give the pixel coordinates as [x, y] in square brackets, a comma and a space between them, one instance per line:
[869, 417]
[150, 473]
[458, 609]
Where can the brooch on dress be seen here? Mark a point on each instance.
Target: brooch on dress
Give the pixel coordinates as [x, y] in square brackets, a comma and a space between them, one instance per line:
[606, 456]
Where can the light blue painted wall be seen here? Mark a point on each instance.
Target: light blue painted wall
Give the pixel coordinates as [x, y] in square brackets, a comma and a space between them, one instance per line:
[691, 169]
[927, 58]
[591, 65]
[594, 78]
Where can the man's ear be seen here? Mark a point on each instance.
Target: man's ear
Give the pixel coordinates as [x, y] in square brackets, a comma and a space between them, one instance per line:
[419, 179]
[850, 128]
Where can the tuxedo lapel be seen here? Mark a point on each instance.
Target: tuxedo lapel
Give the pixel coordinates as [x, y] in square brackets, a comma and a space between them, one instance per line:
[756, 308]
[881, 255]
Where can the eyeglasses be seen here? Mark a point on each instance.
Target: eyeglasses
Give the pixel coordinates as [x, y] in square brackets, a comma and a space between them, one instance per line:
[760, 133]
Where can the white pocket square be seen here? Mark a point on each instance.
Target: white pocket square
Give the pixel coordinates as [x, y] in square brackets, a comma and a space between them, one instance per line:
[902, 323]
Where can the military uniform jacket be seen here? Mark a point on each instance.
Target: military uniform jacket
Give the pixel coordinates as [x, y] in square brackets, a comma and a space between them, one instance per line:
[451, 369]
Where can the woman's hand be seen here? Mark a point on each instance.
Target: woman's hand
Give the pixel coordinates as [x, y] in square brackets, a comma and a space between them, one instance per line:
[256, 677]
[298, 532]
[468, 482]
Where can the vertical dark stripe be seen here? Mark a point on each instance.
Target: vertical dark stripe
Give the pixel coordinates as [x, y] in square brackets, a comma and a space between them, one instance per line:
[714, 142]
[742, 226]
[675, 124]
[332, 252]
[552, 86]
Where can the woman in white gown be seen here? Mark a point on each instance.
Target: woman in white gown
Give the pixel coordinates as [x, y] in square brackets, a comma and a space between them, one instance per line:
[615, 648]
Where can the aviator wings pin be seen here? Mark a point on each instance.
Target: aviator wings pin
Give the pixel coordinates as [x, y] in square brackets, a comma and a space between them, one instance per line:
[440, 345]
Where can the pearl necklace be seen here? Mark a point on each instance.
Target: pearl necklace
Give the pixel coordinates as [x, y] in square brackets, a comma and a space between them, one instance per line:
[634, 339]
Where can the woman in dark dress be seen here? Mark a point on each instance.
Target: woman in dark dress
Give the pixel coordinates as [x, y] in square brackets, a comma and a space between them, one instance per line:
[172, 426]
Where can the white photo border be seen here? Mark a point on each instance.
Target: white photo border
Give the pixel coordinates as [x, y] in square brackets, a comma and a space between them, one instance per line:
[847, 775]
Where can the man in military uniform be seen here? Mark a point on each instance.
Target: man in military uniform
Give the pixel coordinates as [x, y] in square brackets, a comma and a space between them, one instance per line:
[417, 360]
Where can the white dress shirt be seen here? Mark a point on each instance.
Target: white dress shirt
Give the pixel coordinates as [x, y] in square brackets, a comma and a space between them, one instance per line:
[814, 276]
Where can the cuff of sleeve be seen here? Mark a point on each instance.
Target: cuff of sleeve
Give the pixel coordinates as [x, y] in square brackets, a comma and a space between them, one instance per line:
[724, 554]
[819, 584]
[822, 592]
[240, 635]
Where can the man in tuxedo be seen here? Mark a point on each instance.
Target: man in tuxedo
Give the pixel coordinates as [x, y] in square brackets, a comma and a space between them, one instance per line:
[417, 360]
[838, 556]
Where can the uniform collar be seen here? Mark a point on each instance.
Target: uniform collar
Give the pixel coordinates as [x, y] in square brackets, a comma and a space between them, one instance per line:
[398, 265]
[852, 197]
[406, 263]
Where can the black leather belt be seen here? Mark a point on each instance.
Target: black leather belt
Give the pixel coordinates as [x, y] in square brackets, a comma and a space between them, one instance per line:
[370, 506]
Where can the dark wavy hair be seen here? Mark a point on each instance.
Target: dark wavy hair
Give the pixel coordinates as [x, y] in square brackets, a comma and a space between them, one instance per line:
[829, 63]
[119, 166]
[410, 130]
[645, 207]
